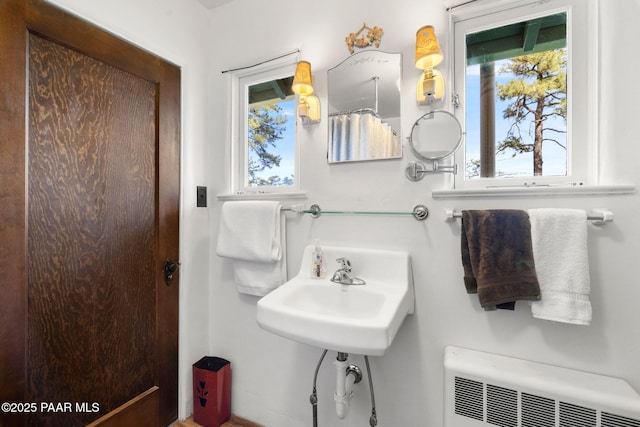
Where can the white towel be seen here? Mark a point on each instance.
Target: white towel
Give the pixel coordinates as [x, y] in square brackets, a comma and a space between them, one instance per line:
[252, 233]
[559, 239]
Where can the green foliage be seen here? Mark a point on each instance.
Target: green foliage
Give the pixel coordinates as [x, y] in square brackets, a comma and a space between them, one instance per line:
[537, 94]
[516, 144]
[266, 126]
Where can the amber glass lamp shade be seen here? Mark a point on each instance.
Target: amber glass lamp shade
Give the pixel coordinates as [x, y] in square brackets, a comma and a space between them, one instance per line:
[428, 53]
[302, 81]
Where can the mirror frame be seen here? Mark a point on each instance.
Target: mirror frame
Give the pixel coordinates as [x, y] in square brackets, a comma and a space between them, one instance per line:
[424, 155]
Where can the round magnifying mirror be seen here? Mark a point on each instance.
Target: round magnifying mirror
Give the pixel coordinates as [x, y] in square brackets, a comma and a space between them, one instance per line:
[435, 135]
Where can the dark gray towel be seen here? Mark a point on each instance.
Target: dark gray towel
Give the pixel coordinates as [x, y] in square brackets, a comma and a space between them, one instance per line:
[497, 257]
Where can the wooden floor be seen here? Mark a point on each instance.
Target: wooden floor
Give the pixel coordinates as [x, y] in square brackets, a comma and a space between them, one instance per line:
[233, 422]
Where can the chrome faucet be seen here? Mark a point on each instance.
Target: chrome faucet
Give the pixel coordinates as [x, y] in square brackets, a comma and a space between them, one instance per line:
[344, 276]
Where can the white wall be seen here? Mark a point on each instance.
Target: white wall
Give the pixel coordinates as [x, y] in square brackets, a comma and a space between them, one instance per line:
[272, 376]
[176, 30]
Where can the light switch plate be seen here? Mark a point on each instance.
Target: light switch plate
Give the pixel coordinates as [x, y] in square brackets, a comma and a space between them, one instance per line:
[201, 197]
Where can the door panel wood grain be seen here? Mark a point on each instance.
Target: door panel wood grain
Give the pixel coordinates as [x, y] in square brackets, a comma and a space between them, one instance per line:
[91, 232]
[87, 319]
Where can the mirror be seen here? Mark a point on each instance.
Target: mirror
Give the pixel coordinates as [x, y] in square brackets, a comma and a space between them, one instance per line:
[364, 107]
[435, 135]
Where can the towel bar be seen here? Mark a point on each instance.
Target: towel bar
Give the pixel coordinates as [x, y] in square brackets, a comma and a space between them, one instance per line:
[597, 215]
[420, 212]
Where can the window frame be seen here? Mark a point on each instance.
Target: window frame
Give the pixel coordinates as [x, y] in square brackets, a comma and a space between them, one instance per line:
[582, 83]
[242, 79]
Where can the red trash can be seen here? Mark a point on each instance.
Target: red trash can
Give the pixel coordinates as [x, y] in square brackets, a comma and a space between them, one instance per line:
[211, 391]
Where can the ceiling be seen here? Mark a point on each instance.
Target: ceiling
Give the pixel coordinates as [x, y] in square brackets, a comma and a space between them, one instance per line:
[212, 4]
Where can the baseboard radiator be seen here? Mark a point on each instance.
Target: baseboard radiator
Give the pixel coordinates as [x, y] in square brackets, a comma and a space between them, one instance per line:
[483, 390]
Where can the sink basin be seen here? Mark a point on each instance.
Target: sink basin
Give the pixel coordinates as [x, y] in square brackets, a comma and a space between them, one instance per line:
[359, 319]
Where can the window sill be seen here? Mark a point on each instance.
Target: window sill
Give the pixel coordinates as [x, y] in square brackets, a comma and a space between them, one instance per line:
[263, 196]
[591, 190]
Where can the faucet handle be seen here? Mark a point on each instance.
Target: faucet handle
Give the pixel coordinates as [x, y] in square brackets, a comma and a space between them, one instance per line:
[345, 264]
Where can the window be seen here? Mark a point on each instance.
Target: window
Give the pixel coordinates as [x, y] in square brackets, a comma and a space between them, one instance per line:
[524, 76]
[265, 155]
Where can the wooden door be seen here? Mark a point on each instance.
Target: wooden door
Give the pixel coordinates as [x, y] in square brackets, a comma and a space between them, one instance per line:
[90, 205]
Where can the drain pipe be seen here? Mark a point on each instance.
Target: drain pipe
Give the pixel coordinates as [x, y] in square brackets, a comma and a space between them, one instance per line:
[346, 376]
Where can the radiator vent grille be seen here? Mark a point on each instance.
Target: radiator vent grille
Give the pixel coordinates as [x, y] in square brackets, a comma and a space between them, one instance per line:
[611, 420]
[576, 416]
[538, 411]
[494, 405]
[469, 400]
[502, 406]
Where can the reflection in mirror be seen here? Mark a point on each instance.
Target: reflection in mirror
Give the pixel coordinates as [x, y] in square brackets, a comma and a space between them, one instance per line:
[364, 107]
[435, 135]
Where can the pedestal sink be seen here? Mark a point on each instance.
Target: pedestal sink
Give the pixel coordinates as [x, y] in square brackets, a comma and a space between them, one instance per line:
[359, 319]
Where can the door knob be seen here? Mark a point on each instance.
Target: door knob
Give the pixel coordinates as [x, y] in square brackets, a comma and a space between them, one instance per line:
[170, 267]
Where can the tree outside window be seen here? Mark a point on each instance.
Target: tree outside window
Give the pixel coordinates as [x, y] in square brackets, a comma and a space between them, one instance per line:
[270, 146]
[269, 141]
[516, 88]
[537, 95]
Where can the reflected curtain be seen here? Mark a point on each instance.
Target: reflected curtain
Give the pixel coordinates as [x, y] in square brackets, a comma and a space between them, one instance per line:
[361, 137]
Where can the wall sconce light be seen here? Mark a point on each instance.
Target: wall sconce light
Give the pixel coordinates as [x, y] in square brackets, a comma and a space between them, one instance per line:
[430, 87]
[308, 104]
